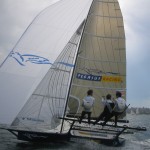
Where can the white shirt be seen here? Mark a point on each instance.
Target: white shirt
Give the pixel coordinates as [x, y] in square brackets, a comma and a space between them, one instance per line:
[120, 104]
[104, 101]
[88, 102]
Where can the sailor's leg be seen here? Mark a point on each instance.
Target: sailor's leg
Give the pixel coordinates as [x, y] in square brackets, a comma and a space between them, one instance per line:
[82, 115]
[89, 117]
[107, 118]
[99, 118]
[116, 119]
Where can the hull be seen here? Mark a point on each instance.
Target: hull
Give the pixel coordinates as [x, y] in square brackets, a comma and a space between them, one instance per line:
[40, 136]
[57, 137]
[103, 137]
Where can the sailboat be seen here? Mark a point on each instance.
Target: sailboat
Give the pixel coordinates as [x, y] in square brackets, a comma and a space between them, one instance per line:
[83, 49]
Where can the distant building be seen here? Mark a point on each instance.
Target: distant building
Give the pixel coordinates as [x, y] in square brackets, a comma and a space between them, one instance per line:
[136, 110]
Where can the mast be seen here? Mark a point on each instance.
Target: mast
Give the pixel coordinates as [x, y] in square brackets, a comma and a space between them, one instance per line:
[82, 28]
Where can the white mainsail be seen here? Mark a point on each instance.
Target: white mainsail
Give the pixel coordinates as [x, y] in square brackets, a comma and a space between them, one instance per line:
[101, 60]
[39, 47]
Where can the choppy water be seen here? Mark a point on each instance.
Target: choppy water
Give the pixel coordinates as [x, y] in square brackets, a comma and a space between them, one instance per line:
[137, 141]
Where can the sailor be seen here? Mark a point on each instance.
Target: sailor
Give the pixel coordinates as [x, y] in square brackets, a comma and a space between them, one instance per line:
[119, 108]
[87, 104]
[108, 107]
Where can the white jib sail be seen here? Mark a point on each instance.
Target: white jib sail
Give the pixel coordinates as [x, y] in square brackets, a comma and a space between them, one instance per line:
[47, 103]
[39, 47]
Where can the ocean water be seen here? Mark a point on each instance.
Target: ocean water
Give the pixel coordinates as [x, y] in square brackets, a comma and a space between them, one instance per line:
[137, 141]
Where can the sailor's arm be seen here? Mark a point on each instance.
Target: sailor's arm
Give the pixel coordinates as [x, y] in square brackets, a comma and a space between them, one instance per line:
[103, 100]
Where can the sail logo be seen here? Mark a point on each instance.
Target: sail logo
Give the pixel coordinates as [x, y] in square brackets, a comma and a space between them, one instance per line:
[111, 79]
[22, 59]
[88, 77]
[32, 119]
[115, 79]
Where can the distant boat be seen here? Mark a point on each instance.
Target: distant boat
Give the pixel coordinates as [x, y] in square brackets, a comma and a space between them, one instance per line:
[85, 49]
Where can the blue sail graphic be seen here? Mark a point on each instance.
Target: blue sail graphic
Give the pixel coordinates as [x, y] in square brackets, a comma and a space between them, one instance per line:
[22, 59]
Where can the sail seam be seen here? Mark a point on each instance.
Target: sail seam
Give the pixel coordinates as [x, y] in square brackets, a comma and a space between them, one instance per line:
[57, 69]
[98, 87]
[92, 14]
[100, 60]
[105, 1]
[47, 96]
[104, 37]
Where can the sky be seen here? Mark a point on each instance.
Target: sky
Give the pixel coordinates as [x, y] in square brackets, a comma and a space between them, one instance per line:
[16, 15]
[136, 15]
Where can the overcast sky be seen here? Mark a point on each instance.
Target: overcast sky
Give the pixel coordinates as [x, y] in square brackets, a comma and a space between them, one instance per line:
[16, 15]
[136, 19]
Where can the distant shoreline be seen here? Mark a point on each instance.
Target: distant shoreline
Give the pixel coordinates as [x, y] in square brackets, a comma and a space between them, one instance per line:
[137, 110]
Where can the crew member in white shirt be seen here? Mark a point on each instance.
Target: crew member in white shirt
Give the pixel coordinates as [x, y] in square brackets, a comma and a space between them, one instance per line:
[119, 108]
[87, 105]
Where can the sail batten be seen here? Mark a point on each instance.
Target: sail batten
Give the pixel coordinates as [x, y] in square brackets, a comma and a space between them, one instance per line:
[108, 1]
[104, 37]
[98, 15]
[98, 87]
[48, 96]
[101, 60]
